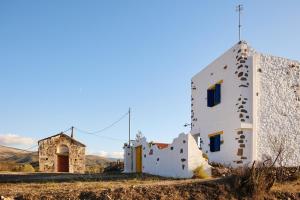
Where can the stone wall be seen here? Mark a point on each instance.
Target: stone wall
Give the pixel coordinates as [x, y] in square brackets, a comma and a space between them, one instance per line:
[48, 154]
[278, 108]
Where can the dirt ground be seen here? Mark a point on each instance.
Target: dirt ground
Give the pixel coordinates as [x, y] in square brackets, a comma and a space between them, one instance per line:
[135, 187]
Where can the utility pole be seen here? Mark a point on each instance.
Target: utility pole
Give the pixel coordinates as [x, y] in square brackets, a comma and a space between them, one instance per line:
[239, 9]
[129, 126]
[72, 131]
[131, 150]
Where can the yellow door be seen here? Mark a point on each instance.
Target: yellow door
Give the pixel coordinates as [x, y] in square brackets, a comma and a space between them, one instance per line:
[138, 159]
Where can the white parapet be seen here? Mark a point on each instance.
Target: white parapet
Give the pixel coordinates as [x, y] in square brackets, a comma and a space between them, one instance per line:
[177, 159]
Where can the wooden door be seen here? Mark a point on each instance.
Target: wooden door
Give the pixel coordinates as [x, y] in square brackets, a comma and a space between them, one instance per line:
[62, 163]
[138, 159]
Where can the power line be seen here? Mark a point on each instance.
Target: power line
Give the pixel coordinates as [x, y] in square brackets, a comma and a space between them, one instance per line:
[87, 132]
[105, 128]
[23, 150]
[66, 130]
[102, 136]
[96, 133]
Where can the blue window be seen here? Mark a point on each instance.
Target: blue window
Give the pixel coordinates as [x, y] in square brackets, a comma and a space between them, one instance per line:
[215, 143]
[214, 95]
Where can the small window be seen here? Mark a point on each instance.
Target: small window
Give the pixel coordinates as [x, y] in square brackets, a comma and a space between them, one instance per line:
[151, 152]
[215, 143]
[214, 95]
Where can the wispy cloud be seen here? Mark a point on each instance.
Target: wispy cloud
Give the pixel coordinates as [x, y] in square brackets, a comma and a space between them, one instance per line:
[115, 154]
[14, 139]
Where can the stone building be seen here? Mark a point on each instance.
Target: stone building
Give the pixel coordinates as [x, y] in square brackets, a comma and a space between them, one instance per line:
[61, 153]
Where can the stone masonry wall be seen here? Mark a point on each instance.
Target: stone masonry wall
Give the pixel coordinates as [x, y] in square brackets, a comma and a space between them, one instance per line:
[48, 157]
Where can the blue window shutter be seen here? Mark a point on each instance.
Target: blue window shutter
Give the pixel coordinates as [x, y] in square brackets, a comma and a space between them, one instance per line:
[212, 144]
[210, 98]
[217, 142]
[217, 94]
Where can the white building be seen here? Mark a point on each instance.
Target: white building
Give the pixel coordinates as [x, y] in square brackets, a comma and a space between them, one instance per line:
[177, 159]
[245, 105]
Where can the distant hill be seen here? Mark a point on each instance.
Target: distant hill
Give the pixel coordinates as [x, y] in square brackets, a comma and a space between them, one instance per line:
[95, 160]
[10, 154]
[19, 156]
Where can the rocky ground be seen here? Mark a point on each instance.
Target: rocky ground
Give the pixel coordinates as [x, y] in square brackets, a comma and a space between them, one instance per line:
[139, 187]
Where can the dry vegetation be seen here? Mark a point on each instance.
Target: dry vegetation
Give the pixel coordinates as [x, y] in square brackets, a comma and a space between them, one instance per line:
[200, 173]
[137, 186]
[260, 181]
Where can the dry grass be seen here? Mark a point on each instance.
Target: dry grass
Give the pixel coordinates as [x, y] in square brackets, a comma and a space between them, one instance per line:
[136, 188]
[292, 187]
[76, 189]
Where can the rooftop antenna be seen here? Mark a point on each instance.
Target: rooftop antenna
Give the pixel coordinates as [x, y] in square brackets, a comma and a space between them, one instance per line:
[239, 9]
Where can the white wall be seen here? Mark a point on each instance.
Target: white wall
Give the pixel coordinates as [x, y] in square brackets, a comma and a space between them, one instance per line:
[177, 160]
[278, 107]
[228, 116]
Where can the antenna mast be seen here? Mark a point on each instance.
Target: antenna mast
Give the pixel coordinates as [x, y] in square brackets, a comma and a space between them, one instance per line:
[239, 9]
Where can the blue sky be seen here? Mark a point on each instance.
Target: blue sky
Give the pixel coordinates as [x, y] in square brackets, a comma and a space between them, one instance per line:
[83, 63]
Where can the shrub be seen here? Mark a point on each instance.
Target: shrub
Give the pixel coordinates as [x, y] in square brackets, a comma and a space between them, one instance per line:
[199, 172]
[6, 166]
[255, 181]
[27, 168]
[95, 169]
[204, 155]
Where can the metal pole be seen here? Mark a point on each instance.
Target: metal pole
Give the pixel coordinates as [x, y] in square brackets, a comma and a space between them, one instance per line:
[239, 9]
[239, 22]
[72, 131]
[131, 150]
[129, 126]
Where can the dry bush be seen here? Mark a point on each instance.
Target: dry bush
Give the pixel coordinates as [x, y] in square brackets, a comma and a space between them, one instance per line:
[199, 172]
[95, 169]
[27, 168]
[23, 168]
[219, 169]
[16, 167]
[284, 174]
[114, 167]
[7, 166]
[256, 181]
[281, 148]
[204, 155]
[253, 182]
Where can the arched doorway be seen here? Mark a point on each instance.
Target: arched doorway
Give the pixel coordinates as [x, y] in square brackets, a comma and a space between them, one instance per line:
[62, 158]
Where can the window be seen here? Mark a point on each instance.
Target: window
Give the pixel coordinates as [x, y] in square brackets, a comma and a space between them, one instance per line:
[215, 143]
[214, 95]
